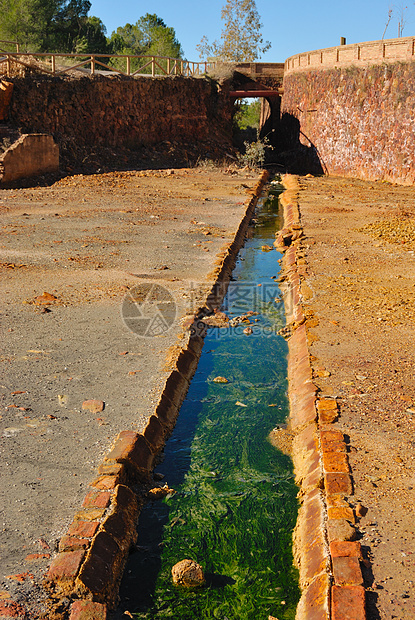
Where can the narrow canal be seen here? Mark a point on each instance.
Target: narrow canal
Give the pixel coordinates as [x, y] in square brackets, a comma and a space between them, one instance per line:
[235, 503]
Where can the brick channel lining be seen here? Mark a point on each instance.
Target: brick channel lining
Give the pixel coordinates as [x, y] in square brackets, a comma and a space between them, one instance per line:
[325, 549]
[83, 578]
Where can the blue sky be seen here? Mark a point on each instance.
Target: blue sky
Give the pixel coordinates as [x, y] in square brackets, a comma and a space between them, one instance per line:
[292, 27]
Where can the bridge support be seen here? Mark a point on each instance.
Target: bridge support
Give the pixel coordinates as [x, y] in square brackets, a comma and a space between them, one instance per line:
[270, 119]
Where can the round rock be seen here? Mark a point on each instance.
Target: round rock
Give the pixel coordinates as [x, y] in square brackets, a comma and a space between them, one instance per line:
[188, 574]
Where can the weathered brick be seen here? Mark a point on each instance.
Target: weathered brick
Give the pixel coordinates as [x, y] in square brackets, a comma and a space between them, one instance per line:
[113, 469]
[328, 416]
[71, 543]
[121, 522]
[345, 549]
[88, 610]
[335, 462]
[340, 529]
[175, 388]
[11, 609]
[155, 433]
[83, 529]
[166, 412]
[326, 404]
[306, 454]
[89, 514]
[348, 602]
[187, 363]
[97, 499]
[331, 434]
[63, 570]
[315, 600]
[101, 569]
[106, 483]
[132, 449]
[310, 544]
[338, 483]
[346, 571]
[341, 512]
[337, 501]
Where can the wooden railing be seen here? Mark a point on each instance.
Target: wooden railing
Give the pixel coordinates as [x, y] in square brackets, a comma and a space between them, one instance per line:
[57, 64]
[8, 43]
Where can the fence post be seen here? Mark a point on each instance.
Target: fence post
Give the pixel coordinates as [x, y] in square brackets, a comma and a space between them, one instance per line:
[168, 66]
[92, 65]
[128, 65]
[153, 66]
[8, 65]
[53, 63]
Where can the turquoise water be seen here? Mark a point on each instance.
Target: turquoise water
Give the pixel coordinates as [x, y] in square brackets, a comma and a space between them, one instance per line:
[235, 504]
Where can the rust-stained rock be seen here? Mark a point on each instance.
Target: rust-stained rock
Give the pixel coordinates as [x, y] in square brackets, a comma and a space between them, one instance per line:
[160, 492]
[188, 574]
[94, 406]
[45, 299]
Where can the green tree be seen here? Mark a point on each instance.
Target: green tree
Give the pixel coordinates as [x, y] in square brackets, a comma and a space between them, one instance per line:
[29, 22]
[149, 36]
[52, 26]
[241, 38]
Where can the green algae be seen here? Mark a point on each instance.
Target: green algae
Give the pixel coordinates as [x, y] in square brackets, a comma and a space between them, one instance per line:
[235, 504]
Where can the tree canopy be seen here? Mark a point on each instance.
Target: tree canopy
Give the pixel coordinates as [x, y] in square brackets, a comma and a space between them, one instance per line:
[241, 39]
[148, 36]
[52, 26]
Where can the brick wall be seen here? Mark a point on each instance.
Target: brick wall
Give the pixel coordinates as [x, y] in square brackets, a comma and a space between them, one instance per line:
[359, 54]
[122, 112]
[360, 119]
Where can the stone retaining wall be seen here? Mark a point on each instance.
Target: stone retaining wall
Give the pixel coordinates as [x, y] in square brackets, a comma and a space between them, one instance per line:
[325, 549]
[358, 119]
[30, 155]
[121, 112]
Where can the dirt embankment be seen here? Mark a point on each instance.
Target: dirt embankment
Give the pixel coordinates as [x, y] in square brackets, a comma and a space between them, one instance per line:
[360, 250]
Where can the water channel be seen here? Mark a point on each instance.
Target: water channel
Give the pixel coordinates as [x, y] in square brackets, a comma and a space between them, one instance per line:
[235, 504]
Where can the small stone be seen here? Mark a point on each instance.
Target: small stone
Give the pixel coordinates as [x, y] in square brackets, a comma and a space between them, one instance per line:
[160, 492]
[266, 248]
[45, 298]
[188, 574]
[248, 330]
[37, 556]
[94, 406]
[220, 380]
[360, 510]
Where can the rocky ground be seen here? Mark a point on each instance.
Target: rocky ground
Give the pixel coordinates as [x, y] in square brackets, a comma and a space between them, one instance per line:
[360, 240]
[70, 253]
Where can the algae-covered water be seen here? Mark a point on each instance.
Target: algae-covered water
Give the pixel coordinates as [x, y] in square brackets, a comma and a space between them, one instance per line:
[235, 504]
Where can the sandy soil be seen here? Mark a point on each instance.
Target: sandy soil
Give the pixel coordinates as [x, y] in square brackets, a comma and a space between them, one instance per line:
[86, 241]
[361, 255]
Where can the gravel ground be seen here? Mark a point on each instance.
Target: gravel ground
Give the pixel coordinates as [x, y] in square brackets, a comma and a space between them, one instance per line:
[69, 254]
[360, 240]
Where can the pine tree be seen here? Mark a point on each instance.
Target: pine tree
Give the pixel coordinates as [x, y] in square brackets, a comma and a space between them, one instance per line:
[241, 38]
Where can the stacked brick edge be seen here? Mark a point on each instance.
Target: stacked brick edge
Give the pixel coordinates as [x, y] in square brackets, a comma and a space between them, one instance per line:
[327, 555]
